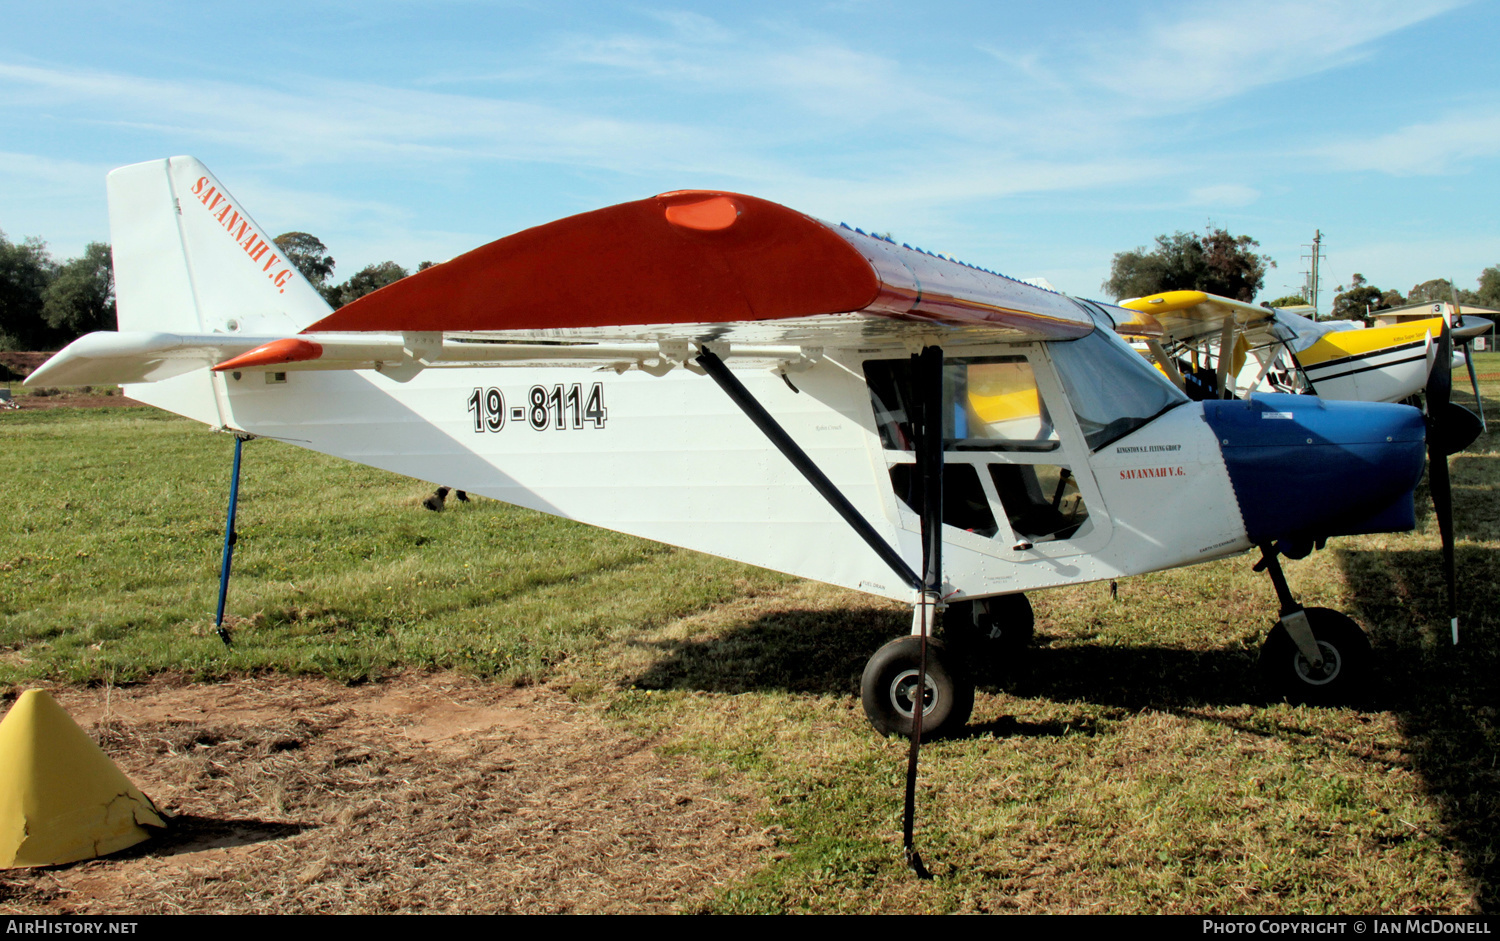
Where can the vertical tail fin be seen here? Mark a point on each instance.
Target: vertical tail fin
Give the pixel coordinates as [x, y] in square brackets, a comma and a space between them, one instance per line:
[189, 259]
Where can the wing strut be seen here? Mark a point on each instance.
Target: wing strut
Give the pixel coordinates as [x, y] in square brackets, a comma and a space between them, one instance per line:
[1166, 363]
[1474, 381]
[928, 429]
[1226, 354]
[753, 410]
[927, 379]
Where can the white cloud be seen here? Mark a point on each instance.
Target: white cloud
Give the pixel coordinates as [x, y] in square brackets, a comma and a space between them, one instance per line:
[813, 84]
[59, 200]
[1228, 195]
[50, 174]
[1428, 148]
[1203, 52]
[836, 124]
[692, 27]
[1413, 259]
[349, 123]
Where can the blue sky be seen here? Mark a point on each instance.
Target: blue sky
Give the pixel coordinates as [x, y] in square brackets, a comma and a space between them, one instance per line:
[1037, 140]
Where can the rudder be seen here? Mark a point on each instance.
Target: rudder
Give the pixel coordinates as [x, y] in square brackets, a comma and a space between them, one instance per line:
[189, 259]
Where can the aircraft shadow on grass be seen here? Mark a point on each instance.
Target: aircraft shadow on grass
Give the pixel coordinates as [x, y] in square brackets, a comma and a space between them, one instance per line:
[1444, 697]
[807, 651]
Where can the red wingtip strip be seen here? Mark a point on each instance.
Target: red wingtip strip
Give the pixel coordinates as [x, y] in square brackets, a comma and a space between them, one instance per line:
[275, 353]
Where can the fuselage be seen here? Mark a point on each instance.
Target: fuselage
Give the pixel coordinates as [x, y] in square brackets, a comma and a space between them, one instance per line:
[1102, 471]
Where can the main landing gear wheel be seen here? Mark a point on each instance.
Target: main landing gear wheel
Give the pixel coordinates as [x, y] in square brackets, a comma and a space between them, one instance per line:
[889, 690]
[990, 627]
[1346, 662]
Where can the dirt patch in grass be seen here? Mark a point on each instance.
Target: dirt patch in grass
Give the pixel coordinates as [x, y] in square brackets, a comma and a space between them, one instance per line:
[14, 364]
[72, 398]
[426, 793]
[23, 362]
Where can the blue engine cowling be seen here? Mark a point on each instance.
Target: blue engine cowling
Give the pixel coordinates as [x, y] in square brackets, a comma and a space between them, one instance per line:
[1304, 469]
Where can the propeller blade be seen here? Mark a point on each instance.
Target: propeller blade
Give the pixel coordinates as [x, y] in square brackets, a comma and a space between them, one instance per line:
[1474, 381]
[1439, 391]
[1440, 373]
[1442, 504]
[1454, 428]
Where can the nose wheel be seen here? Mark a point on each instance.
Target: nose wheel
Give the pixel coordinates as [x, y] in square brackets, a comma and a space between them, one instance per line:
[1315, 656]
[889, 690]
[1343, 673]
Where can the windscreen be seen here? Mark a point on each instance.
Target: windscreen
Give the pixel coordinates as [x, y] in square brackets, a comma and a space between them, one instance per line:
[1112, 389]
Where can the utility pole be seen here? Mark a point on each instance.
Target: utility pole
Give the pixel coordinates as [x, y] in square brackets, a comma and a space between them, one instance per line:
[1312, 270]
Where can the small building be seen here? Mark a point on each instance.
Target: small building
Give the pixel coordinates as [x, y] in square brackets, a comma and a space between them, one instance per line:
[1426, 309]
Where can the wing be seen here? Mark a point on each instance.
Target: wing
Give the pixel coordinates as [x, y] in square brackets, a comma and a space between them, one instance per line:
[1338, 358]
[705, 265]
[1193, 317]
[621, 284]
[1196, 325]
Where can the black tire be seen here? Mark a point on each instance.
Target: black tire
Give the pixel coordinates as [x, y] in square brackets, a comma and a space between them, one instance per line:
[1346, 656]
[890, 678]
[990, 628]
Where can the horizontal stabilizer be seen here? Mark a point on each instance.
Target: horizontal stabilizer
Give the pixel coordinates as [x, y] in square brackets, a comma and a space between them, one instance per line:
[136, 356]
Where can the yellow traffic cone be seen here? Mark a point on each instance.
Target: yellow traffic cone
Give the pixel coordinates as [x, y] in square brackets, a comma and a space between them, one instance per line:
[61, 798]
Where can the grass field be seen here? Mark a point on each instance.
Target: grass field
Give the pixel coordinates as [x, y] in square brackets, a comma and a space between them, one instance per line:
[1128, 765]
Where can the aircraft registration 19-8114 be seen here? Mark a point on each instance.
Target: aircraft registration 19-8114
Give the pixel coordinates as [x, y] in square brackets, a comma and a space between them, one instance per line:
[721, 373]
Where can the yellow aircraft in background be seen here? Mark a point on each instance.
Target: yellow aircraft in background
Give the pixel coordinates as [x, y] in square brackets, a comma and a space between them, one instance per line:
[1279, 351]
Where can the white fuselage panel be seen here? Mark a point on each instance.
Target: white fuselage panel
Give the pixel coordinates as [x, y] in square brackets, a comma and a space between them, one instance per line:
[671, 458]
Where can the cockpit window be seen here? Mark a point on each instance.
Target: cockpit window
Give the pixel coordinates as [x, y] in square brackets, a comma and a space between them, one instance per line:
[993, 403]
[990, 403]
[1112, 389]
[891, 395]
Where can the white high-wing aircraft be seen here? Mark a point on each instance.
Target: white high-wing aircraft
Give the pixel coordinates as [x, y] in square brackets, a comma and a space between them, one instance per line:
[719, 372]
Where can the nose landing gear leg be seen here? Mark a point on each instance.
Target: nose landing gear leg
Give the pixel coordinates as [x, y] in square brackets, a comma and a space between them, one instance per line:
[1315, 656]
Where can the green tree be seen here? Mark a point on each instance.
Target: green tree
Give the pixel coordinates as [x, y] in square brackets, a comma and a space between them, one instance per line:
[1216, 262]
[81, 297]
[25, 271]
[369, 279]
[309, 255]
[1488, 294]
[1438, 289]
[1362, 298]
[1290, 300]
